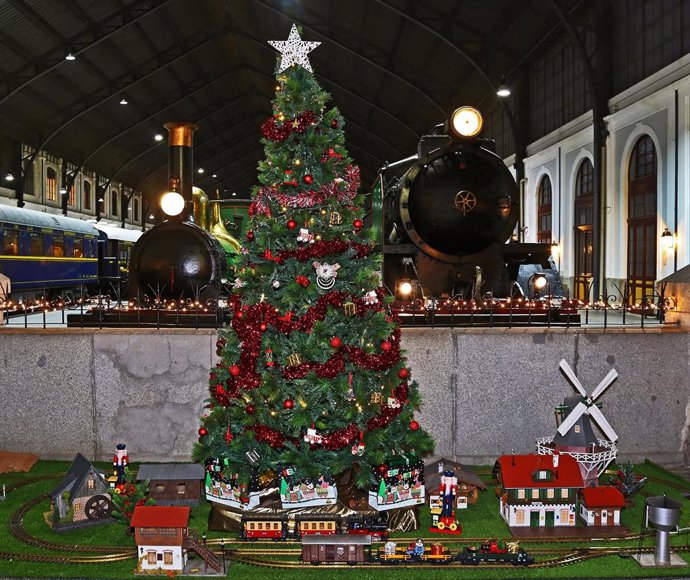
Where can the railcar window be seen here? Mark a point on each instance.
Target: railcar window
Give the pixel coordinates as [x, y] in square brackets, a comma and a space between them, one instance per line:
[58, 246]
[35, 244]
[10, 243]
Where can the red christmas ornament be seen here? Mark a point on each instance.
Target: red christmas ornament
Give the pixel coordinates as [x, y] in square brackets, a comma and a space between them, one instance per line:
[203, 431]
[250, 409]
[228, 435]
[239, 314]
[358, 224]
[334, 123]
[336, 342]
[288, 403]
[414, 425]
[382, 469]
[403, 373]
[220, 343]
[302, 280]
[234, 370]
[250, 236]
[308, 179]
[292, 224]
[263, 326]
[386, 346]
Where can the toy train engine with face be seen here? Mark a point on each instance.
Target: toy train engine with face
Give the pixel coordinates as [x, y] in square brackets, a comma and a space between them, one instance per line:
[448, 212]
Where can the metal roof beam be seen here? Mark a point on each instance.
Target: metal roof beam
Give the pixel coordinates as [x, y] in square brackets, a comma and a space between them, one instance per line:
[49, 61]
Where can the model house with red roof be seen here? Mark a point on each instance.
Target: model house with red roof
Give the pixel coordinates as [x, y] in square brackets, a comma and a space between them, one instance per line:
[160, 533]
[538, 490]
[601, 506]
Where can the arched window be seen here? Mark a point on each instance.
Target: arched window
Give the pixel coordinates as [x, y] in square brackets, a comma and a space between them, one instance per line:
[113, 202]
[87, 194]
[544, 210]
[71, 194]
[136, 210]
[584, 216]
[51, 184]
[642, 239]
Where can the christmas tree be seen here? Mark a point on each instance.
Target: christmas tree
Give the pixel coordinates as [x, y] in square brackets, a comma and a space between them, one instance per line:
[311, 380]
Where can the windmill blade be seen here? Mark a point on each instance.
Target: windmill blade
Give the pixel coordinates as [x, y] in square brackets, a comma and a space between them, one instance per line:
[572, 418]
[603, 385]
[598, 416]
[565, 367]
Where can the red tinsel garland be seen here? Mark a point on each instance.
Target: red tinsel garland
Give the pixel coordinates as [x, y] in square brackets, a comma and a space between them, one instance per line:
[319, 250]
[344, 191]
[271, 130]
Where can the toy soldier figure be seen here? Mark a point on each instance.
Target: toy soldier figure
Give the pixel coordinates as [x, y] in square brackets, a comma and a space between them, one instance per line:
[447, 490]
[120, 461]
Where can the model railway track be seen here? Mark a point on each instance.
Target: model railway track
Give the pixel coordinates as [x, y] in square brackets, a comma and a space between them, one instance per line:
[277, 557]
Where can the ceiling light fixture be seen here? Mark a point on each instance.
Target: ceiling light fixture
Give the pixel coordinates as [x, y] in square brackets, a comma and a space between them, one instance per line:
[503, 90]
[158, 137]
[234, 194]
[9, 176]
[214, 175]
[63, 190]
[200, 170]
[70, 56]
[123, 101]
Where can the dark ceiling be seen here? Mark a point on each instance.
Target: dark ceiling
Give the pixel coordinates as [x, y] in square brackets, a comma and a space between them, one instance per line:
[395, 68]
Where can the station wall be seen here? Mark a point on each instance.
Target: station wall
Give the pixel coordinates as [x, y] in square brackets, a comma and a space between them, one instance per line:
[486, 392]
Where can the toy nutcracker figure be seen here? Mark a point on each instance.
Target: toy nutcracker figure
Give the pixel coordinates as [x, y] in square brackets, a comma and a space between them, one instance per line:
[447, 490]
[120, 461]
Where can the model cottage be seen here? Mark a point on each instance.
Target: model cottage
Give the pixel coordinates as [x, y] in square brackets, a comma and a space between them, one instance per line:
[538, 490]
[82, 496]
[160, 533]
[601, 506]
[173, 483]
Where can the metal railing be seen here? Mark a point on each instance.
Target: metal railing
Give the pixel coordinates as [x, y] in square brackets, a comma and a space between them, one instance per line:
[210, 307]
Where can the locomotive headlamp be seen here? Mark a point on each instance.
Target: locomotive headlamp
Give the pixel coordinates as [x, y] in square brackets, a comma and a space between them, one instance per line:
[466, 122]
[172, 203]
[539, 281]
[405, 288]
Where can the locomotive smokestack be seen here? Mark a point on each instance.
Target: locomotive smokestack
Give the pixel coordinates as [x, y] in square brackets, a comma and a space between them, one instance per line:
[181, 164]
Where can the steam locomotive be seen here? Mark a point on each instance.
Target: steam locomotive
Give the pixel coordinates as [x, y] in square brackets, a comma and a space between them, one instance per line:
[183, 259]
[448, 212]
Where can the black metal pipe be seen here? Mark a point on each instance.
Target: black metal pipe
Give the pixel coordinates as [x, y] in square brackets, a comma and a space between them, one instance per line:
[181, 164]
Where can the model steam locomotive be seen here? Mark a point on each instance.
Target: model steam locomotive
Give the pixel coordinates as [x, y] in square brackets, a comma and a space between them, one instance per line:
[448, 212]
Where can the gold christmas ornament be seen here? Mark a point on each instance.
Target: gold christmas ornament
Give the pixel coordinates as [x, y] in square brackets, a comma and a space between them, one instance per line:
[349, 309]
[294, 359]
[376, 398]
[267, 478]
[335, 219]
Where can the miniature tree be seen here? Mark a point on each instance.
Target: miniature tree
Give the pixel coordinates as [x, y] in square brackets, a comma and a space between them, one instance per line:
[311, 373]
[626, 481]
[129, 495]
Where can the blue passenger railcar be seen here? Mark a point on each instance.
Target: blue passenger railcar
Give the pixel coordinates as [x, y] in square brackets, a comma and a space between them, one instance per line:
[46, 252]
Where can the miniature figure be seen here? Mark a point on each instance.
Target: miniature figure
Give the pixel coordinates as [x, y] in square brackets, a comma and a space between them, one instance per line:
[447, 490]
[120, 461]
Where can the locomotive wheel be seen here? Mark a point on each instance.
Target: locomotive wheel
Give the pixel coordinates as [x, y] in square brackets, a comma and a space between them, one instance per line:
[453, 526]
[98, 507]
[441, 526]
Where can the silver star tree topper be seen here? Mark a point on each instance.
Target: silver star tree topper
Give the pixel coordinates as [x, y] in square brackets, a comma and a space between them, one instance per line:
[294, 50]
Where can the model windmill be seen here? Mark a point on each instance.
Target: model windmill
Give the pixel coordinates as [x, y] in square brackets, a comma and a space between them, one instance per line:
[575, 435]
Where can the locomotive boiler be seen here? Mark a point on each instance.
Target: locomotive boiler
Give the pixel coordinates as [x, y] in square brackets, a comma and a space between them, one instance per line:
[448, 212]
[186, 256]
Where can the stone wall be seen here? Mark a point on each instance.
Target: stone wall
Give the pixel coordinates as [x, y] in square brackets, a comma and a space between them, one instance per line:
[486, 392]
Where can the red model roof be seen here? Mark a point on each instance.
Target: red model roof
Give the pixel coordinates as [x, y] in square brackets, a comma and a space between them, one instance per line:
[520, 471]
[154, 516]
[602, 496]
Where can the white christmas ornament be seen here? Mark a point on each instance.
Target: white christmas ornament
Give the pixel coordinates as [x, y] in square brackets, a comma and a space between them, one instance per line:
[294, 50]
[305, 236]
[276, 284]
[370, 297]
[325, 274]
